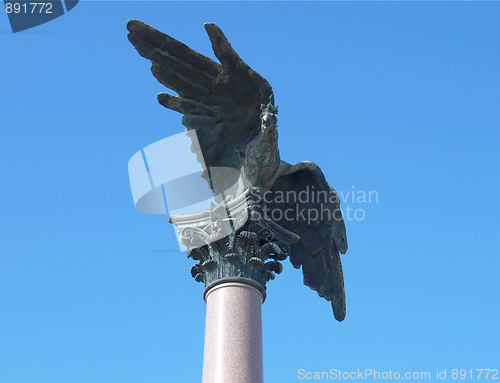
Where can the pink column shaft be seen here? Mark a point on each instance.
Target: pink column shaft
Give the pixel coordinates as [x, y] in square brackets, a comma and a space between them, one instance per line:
[233, 335]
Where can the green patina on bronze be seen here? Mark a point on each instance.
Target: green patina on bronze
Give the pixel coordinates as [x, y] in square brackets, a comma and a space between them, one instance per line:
[231, 109]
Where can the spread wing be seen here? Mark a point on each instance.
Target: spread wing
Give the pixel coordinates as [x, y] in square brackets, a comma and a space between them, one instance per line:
[310, 208]
[220, 101]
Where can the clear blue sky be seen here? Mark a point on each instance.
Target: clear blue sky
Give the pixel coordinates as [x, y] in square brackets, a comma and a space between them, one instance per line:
[401, 98]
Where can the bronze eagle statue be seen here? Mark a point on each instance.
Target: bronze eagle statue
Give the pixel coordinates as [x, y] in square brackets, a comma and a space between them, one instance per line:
[231, 108]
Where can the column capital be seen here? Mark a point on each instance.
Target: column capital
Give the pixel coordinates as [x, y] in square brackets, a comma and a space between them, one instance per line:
[235, 242]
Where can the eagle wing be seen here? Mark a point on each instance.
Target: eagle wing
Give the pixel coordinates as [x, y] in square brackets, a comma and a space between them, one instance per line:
[220, 101]
[310, 207]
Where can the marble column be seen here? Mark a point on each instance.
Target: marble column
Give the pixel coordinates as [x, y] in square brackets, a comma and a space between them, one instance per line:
[233, 334]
